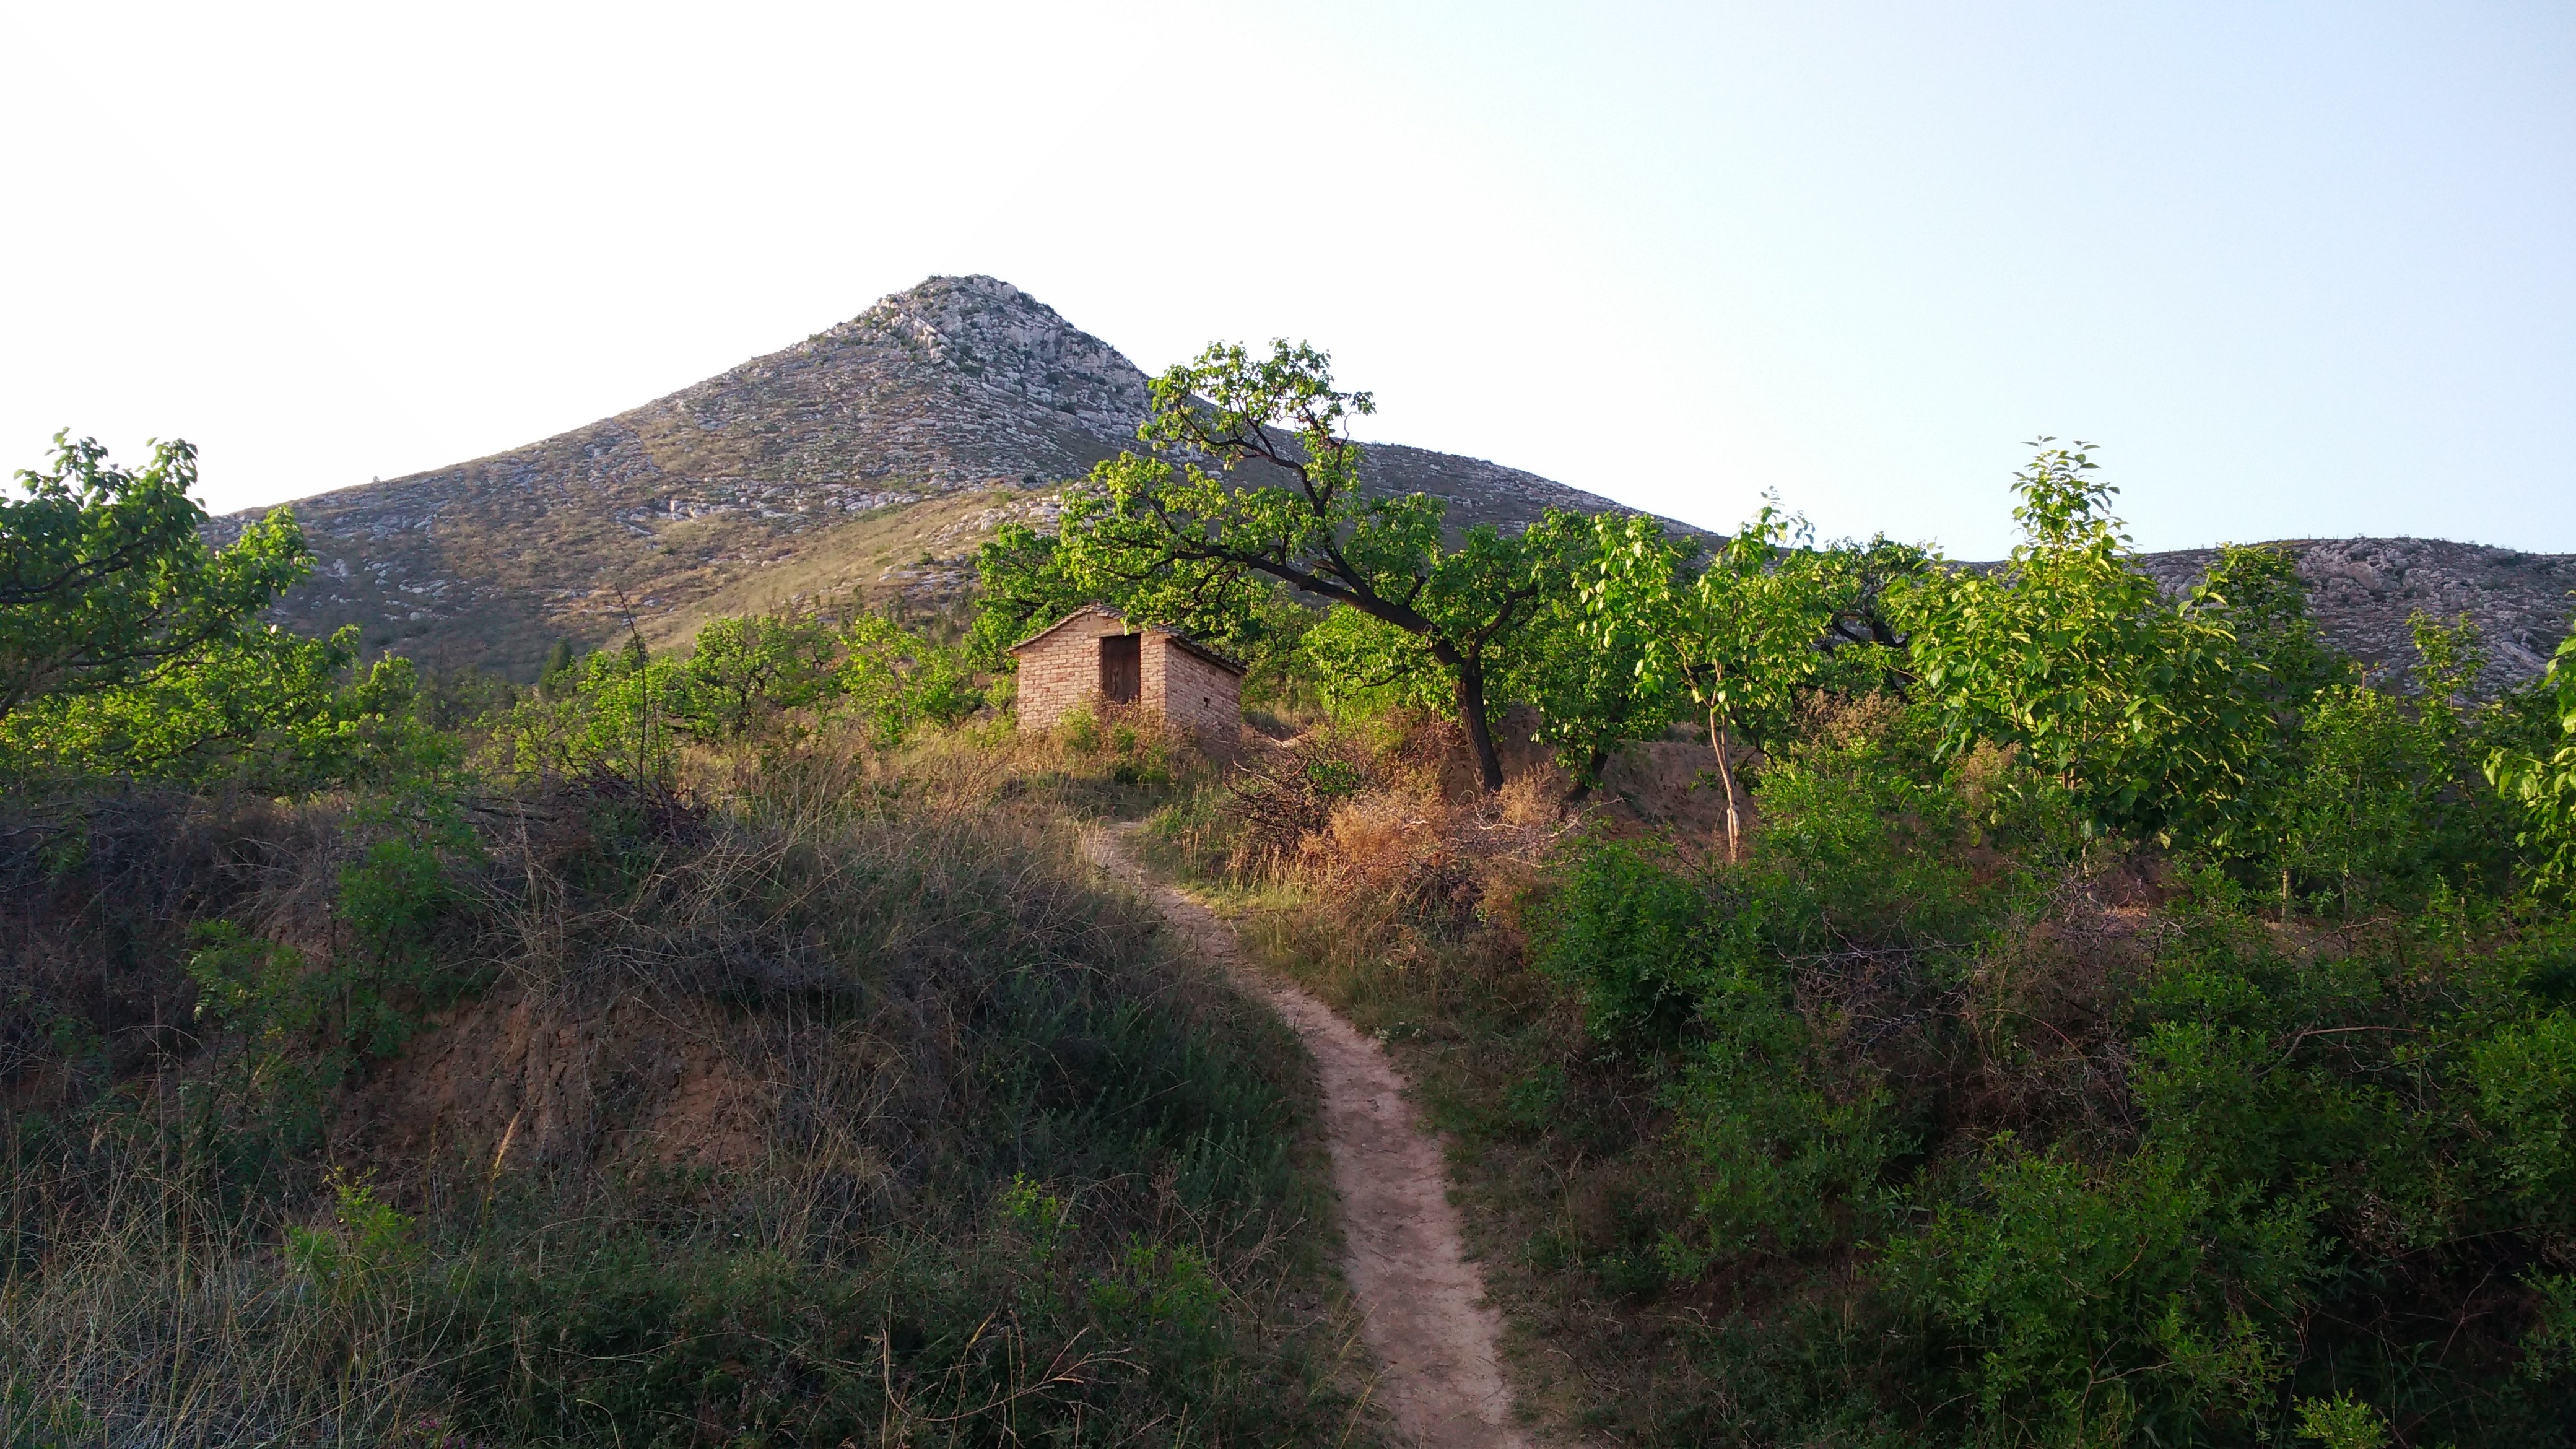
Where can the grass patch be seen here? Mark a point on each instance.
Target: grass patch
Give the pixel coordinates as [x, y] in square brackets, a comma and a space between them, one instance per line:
[836, 1106]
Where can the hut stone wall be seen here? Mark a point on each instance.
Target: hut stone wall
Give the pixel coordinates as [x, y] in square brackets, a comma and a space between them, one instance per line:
[1060, 671]
[1191, 693]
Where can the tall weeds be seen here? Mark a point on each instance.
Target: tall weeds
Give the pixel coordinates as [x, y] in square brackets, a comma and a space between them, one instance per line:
[836, 1104]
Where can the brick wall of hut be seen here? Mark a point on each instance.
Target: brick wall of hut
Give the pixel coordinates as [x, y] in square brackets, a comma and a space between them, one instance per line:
[1062, 670]
[1191, 693]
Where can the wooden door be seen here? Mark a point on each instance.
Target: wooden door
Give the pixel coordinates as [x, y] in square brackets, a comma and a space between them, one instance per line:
[1122, 667]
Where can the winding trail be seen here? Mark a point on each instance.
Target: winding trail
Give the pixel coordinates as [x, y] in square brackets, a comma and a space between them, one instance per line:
[1425, 1317]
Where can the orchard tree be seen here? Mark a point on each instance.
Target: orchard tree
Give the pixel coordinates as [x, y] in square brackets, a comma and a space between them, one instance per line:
[1739, 635]
[2141, 708]
[744, 670]
[613, 714]
[1591, 687]
[898, 681]
[1174, 541]
[128, 647]
[2543, 782]
[1022, 586]
[104, 581]
[265, 707]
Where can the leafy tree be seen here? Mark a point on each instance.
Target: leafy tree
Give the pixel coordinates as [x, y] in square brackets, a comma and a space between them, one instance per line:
[1740, 634]
[2288, 674]
[1176, 543]
[619, 717]
[129, 647]
[1861, 577]
[558, 665]
[104, 580]
[2136, 705]
[1593, 693]
[2258, 594]
[2542, 782]
[745, 670]
[2354, 813]
[898, 681]
[1363, 665]
[1022, 587]
[265, 707]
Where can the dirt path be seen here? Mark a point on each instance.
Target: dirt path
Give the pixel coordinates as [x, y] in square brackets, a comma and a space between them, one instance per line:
[1424, 1308]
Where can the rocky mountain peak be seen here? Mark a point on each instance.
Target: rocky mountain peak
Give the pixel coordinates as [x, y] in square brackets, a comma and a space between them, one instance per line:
[872, 456]
[992, 333]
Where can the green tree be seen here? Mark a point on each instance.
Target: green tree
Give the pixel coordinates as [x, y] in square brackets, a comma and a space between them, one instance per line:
[558, 665]
[2136, 705]
[268, 708]
[1860, 577]
[618, 717]
[744, 671]
[2542, 782]
[2292, 681]
[898, 681]
[2355, 813]
[1176, 543]
[105, 582]
[1022, 586]
[1591, 691]
[1740, 634]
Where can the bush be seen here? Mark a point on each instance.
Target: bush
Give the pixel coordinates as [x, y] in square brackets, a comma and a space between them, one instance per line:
[1631, 938]
[2150, 1301]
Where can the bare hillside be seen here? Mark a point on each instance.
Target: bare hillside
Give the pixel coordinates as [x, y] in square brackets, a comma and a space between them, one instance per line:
[876, 455]
[872, 456]
[2364, 591]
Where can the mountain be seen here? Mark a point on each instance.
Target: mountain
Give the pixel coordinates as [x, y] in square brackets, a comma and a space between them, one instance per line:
[2364, 592]
[876, 455]
[873, 456]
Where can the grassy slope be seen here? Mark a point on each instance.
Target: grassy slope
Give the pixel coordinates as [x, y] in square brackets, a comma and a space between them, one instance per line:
[846, 1109]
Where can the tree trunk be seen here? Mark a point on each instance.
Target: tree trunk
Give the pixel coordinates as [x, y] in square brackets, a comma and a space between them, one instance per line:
[1582, 791]
[1718, 741]
[1480, 731]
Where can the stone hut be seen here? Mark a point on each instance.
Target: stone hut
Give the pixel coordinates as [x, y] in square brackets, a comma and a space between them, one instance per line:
[1092, 653]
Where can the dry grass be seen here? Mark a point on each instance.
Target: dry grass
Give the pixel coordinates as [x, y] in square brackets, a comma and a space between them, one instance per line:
[844, 1106]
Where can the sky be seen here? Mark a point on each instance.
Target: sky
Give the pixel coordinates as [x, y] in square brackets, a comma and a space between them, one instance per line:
[2299, 270]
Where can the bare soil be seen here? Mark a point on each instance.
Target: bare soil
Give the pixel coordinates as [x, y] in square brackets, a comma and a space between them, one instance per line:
[1426, 1318]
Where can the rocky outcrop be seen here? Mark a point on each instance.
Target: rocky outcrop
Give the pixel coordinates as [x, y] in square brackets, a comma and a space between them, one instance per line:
[2364, 592]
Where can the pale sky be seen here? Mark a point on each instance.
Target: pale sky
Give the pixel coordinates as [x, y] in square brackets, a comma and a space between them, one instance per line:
[2303, 270]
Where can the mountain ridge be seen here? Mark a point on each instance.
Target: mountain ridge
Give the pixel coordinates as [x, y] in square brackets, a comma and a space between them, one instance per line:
[873, 456]
[2364, 593]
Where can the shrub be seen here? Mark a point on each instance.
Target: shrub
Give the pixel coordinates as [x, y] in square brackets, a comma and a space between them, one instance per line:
[1630, 937]
[2148, 1299]
[1781, 1157]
